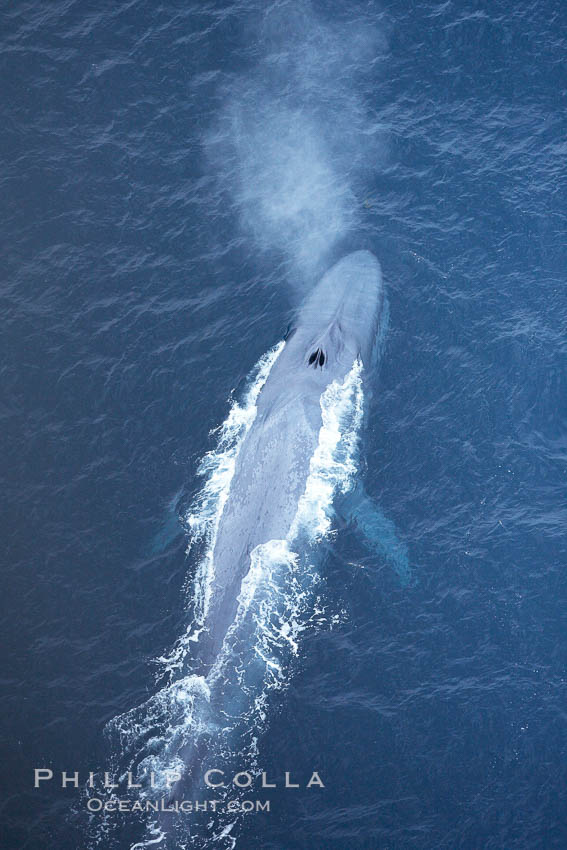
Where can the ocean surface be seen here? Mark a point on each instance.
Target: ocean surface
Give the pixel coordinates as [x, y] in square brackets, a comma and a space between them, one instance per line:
[174, 178]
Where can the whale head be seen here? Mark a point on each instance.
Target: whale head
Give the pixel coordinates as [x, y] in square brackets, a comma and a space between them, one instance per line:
[343, 318]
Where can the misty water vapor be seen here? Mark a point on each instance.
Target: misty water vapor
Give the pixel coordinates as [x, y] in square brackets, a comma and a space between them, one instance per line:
[295, 143]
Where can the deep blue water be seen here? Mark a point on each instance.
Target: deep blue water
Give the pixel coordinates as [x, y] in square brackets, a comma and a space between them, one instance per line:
[173, 178]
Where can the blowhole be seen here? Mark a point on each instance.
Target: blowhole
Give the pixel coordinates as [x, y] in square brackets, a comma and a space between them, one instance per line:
[317, 358]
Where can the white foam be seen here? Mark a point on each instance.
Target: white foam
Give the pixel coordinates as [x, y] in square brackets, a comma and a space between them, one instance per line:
[157, 836]
[333, 464]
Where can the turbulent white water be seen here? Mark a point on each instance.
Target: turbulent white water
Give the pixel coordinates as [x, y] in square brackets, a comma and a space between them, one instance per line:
[165, 722]
[279, 598]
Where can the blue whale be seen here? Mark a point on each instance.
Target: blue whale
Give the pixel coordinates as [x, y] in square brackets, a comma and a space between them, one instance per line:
[293, 473]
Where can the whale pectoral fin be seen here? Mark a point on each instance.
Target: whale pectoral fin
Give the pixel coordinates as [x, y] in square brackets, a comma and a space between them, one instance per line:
[378, 533]
[171, 528]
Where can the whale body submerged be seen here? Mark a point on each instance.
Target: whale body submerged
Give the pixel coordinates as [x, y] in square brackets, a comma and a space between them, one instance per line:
[338, 327]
